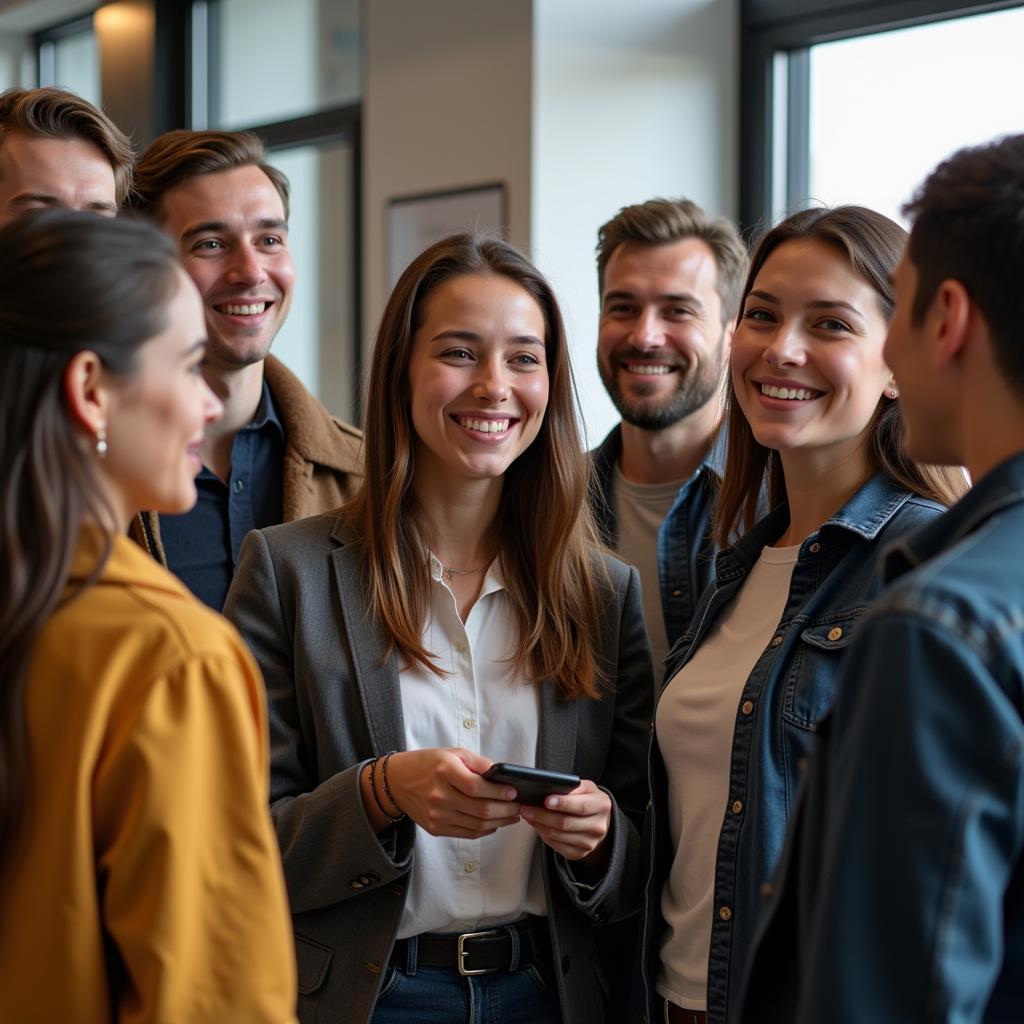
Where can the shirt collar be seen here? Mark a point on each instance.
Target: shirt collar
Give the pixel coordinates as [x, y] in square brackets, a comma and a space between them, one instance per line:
[864, 514]
[717, 450]
[266, 412]
[1000, 488]
[127, 563]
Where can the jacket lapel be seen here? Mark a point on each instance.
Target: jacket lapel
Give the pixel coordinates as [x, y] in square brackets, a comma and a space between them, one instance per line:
[376, 678]
[557, 729]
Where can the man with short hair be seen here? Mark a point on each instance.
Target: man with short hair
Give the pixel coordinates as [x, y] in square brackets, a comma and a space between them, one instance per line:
[277, 455]
[901, 894]
[670, 277]
[58, 150]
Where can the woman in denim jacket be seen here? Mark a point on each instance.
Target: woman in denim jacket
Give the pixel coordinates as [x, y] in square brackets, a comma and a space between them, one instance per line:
[813, 423]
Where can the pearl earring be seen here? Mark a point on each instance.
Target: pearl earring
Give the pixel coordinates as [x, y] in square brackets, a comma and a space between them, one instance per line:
[101, 443]
[891, 393]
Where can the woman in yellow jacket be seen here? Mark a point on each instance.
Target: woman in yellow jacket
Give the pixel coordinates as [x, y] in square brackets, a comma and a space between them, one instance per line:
[139, 875]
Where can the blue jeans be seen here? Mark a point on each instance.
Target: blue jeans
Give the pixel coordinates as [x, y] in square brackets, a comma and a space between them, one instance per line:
[440, 995]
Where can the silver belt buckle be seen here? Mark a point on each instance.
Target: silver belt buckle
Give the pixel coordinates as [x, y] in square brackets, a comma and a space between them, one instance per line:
[463, 952]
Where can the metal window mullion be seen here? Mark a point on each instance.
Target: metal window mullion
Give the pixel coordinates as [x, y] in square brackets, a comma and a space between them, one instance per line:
[798, 128]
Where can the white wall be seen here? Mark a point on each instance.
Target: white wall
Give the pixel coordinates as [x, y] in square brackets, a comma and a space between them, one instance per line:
[631, 101]
[447, 103]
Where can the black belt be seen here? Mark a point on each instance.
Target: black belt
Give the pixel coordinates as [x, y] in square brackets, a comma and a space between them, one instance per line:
[482, 952]
[677, 1015]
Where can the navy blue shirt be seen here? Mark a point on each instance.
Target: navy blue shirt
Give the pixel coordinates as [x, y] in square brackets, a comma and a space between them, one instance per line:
[202, 545]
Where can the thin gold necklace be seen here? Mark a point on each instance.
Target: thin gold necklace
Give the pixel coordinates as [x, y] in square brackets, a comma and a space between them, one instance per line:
[451, 572]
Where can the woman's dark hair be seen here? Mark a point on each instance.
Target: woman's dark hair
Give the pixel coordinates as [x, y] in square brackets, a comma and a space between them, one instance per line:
[69, 282]
[543, 530]
[872, 244]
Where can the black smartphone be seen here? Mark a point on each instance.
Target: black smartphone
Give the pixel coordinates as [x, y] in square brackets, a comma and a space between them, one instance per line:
[531, 784]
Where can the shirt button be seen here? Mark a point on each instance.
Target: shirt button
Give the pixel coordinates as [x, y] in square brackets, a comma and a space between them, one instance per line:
[737, 806]
[835, 633]
[461, 646]
[469, 867]
[747, 707]
[239, 486]
[725, 913]
[468, 723]
[776, 640]
[815, 548]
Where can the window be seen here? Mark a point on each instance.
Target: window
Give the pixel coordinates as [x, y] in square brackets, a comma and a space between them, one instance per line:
[858, 102]
[69, 57]
[269, 61]
[291, 72]
[886, 108]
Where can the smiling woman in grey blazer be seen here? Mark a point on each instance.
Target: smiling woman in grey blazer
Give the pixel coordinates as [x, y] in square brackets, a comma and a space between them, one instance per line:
[456, 613]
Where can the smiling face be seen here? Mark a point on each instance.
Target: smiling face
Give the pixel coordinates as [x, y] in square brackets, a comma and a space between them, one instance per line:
[477, 378]
[40, 173]
[807, 364]
[231, 230]
[661, 345]
[157, 416]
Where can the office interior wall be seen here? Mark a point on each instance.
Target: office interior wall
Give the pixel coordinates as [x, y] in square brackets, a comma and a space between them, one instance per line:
[631, 101]
[447, 103]
[580, 106]
[126, 34]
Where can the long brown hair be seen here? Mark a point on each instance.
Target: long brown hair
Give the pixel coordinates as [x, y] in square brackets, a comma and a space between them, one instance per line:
[872, 243]
[543, 529]
[68, 282]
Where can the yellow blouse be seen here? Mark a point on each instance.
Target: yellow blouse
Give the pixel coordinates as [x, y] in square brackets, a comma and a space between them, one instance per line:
[147, 884]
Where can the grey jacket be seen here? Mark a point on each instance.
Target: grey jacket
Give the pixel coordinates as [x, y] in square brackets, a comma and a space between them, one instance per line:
[334, 702]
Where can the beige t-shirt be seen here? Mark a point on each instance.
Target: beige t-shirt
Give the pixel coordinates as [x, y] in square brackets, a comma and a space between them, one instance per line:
[695, 720]
[640, 509]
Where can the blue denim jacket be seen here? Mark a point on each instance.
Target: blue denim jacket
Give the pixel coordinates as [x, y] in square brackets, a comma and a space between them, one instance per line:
[786, 695]
[686, 552]
[901, 893]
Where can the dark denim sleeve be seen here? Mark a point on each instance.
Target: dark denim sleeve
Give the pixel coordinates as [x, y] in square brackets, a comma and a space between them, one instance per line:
[924, 831]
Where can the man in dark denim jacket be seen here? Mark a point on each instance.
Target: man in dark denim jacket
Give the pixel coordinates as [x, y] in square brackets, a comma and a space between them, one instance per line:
[901, 893]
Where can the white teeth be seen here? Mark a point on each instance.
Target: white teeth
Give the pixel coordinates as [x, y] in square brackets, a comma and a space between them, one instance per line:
[648, 369]
[254, 309]
[798, 394]
[485, 426]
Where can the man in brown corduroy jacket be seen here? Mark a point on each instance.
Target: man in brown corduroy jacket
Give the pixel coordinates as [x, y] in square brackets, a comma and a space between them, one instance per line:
[277, 454]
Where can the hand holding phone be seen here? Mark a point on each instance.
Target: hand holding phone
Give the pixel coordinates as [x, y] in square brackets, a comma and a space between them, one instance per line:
[532, 785]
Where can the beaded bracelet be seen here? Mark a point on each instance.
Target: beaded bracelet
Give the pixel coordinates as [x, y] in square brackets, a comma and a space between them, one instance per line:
[387, 788]
[376, 795]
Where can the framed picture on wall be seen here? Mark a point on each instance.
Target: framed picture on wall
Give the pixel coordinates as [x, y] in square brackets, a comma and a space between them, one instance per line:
[417, 221]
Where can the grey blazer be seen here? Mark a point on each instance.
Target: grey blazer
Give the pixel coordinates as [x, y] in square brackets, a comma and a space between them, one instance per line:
[334, 703]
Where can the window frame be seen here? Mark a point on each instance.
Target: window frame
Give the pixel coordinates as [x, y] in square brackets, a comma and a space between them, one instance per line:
[43, 42]
[190, 36]
[775, 41]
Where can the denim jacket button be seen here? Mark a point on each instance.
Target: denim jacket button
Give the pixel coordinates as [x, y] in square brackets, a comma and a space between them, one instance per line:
[814, 548]
[835, 633]
[725, 913]
[747, 707]
[737, 806]
[767, 888]
[776, 640]
[677, 593]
